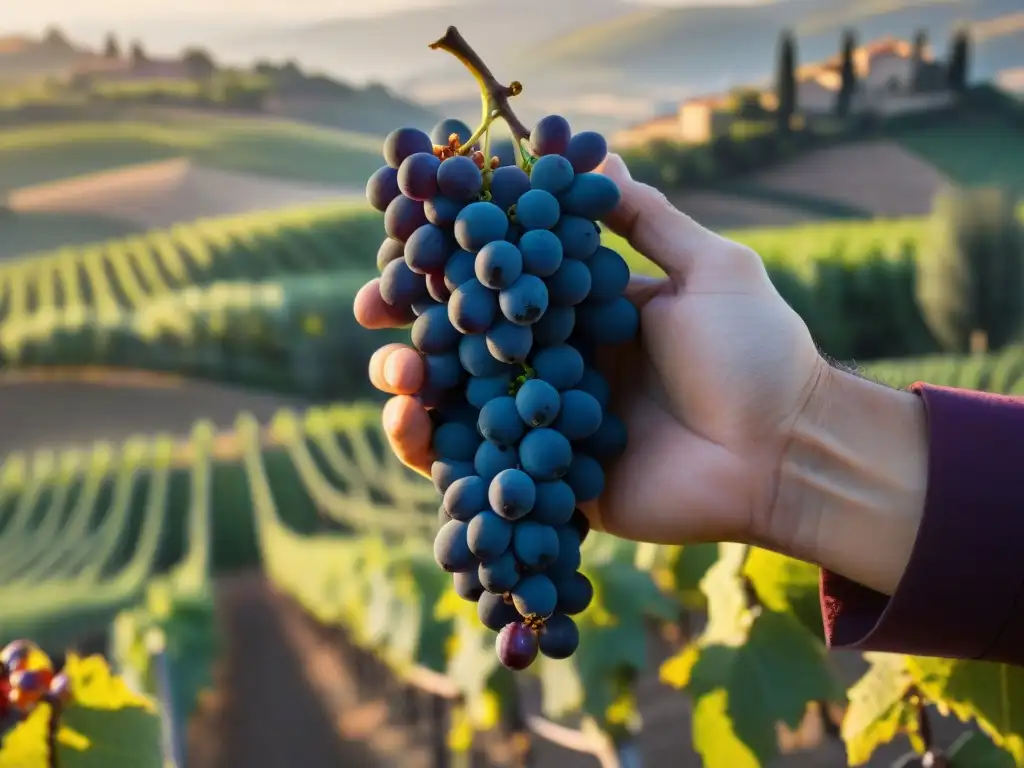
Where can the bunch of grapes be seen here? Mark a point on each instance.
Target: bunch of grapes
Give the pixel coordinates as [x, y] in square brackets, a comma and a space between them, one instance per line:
[27, 678]
[499, 264]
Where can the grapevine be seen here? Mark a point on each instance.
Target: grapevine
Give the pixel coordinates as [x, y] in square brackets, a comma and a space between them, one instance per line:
[28, 679]
[499, 266]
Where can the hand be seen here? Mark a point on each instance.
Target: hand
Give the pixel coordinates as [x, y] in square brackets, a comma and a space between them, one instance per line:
[709, 392]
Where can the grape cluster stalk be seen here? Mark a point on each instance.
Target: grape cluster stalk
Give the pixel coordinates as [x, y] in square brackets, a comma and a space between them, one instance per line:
[27, 679]
[497, 262]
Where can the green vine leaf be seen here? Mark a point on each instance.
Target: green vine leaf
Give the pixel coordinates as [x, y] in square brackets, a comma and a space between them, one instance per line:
[787, 585]
[879, 709]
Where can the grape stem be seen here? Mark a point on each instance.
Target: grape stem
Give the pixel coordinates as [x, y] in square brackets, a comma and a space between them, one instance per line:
[495, 95]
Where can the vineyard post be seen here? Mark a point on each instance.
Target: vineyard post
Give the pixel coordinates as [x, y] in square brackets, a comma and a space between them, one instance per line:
[172, 731]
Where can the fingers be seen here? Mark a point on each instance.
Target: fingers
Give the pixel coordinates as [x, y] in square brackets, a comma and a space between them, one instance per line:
[654, 227]
[642, 288]
[397, 370]
[374, 313]
[409, 429]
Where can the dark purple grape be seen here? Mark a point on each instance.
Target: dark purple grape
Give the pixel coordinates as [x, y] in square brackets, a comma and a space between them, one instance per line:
[437, 287]
[495, 613]
[508, 184]
[559, 637]
[382, 187]
[400, 286]
[550, 136]
[586, 151]
[403, 217]
[459, 179]
[439, 133]
[417, 176]
[403, 142]
[517, 646]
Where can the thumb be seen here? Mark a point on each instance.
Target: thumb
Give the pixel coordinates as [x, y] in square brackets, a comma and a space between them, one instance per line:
[654, 227]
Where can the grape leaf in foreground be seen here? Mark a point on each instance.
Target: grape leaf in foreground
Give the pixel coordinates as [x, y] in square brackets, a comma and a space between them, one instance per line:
[879, 707]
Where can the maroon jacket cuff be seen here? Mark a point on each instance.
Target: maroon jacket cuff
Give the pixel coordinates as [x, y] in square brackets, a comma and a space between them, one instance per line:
[962, 594]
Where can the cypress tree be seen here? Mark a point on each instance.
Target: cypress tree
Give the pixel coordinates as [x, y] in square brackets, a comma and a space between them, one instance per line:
[785, 80]
[111, 48]
[848, 73]
[959, 56]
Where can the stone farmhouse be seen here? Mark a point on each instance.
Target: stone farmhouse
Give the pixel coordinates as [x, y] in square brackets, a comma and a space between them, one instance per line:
[890, 80]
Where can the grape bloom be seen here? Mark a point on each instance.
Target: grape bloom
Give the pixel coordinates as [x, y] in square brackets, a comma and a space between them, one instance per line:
[502, 265]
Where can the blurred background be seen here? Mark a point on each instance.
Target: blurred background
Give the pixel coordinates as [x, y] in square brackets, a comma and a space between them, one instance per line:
[188, 440]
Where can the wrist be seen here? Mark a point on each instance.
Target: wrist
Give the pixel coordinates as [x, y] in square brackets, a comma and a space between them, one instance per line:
[854, 477]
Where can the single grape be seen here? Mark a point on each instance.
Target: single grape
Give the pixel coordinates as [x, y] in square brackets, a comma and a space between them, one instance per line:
[579, 237]
[585, 477]
[516, 646]
[507, 186]
[404, 142]
[561, 366]
[612, 322]
[459, 268]
[437, 287]
[480, 390]
[477, 359]
[550, 136]
[574, 594]
[500, 423]
[458, 410]
[479, 224]
[535, 596]
[512, 494]
[579, 416]
[459, 179]
[541, 251]
[400, 286]
[538, 403]
[537, 209]
[525, 301]
[390, 250]
[442, 211]
[501, 574]
[552, 173]
[555, 327]
[586, 151]
[495, 613]
[490, 459]
[428, 248]
[609, 274]
[498, 264]
[591, 195]
[472, 307]
[451, 548]
[441, 132]
[569, 558]
[427, 302]
[433, 333]
[581, 523]
[545, 454]
[570, 284]
[457, 441]
[417, 176]
[555, 503]
[465, 498]
[382, 188]
[535, 545]
[443, 371]
[468, 586]
[489, 535]
[509, 342]
[608, 442]
[444, 472]
[559, 637]
[403, 217]
[597, 385]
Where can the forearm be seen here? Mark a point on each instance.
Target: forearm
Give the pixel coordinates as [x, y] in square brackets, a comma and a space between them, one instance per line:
[857, 467]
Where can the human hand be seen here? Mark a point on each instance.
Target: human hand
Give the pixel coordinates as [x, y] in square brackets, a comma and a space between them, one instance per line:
[709, 392]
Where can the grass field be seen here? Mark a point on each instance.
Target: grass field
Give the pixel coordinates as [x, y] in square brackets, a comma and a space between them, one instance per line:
[50, 152]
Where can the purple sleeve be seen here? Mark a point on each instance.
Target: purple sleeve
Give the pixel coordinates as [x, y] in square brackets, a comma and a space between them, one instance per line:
[962, 594]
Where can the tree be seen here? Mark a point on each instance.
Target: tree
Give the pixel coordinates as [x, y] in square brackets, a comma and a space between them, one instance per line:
[137, 54]
[198, 63]
[959, 58]
[917, 58]
[785, 81]
[848, 74]
[111, 48]
[972, 286]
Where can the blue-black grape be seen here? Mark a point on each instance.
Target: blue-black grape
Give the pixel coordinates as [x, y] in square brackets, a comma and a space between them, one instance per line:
[417, 176]
[465, 497]
[560, 366]
[443, 371]
[581, 523]
[535, 545]
[482, 389]
[585, 476]
[508, 185]
[579, 416]
[545, 454]
[400, 286]
[477, 359]
[437, 287]
[468, 586]
[525, 301]
[442, 211]
[555, 503]
[441, 133]
[390, 250]
[488, 535]
[550, 136]
[517, 646]
[459, 179]
[610, 322]
[555, 327]
[404, 142]
[427, 249]
[537, 209]
[560, 637]
[433, 333]
[479, 224]
[457, 441]
[570, 284]
[499, 422]
[580, 237]
[491, 458]
[569, 559]
[501, 574]
[535, 596]
[512, 494]
[495, 613]
[609, 275]
[472, 307]
[451, 548]
[382, 188]
[552, 173]
[608, 442]
[421, 306]
[591, 195]
[586, 151]
[541, 252]
[597, 385]
[403, 217]
[538, 403]
[445, 471]
[509, 342]
[574, 594]
[459, 268]
[498, 264]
